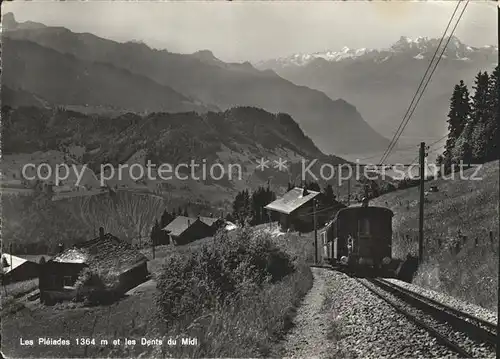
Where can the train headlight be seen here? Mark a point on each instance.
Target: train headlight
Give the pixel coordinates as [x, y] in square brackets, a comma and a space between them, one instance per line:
[343, 260]
[386, 260]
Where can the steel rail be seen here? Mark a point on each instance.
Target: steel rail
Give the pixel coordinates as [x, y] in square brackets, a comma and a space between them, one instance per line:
[412, 318]
[489, 325]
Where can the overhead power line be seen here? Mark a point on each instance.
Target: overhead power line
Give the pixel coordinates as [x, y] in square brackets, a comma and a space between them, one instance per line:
[407, 149]
[437, 141]
[379, 153]
[430, 76]
[409, 111]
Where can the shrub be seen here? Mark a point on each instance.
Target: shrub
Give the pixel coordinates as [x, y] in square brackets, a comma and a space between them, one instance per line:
[219, 274]
[96, 286]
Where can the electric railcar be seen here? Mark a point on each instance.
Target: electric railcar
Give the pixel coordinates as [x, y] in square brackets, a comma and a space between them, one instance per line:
[359, 239]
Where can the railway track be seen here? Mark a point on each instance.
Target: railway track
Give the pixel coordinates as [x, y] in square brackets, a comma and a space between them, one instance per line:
[464, 334]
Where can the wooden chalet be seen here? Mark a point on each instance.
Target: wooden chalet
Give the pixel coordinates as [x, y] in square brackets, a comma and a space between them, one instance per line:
[183, 230]
[214, 223]
[17, 269]
[296, 209]
[105, 253]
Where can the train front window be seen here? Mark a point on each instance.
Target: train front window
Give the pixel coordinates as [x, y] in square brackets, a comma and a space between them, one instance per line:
[364, 226]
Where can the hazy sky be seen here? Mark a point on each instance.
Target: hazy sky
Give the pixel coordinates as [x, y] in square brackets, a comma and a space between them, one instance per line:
[253, 31]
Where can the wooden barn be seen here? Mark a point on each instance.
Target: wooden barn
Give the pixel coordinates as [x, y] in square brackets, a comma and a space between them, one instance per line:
[17, 269]
[106, 254]
[296, 209]
[183, 230]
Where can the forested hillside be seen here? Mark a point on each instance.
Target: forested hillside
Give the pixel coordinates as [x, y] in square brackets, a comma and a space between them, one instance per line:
[473, 123]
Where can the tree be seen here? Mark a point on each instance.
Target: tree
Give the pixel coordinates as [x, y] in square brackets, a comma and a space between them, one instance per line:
[329, 195]
[156, 234]
[261, 198]
[492, 131]
[462, 150]
[229, 217]
[242, 207]
[165, 219]
[458, 117]
[439, 163]
[480, 113]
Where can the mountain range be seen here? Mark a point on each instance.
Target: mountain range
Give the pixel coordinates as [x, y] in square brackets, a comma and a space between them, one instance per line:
[382, 82]
[83, 72]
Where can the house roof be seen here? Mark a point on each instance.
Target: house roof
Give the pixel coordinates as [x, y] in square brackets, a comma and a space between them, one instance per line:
[292, 200]
[16, 262]
[108, 252]
[179, 225]
[209, 220]
[34, 257]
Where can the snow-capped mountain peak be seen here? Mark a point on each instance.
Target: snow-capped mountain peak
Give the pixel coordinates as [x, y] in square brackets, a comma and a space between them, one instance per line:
[420, 48]
[332, 56]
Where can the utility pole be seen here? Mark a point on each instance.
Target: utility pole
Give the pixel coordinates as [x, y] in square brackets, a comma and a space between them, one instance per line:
[498, 296]
[348, 191]
[10, 250]
[421, 207]
[315, 233]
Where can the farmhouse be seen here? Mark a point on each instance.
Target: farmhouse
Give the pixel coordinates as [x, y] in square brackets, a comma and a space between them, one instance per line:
[105, 255]
[296, 209]
[214, 223]
[183, 230]
[16, 269]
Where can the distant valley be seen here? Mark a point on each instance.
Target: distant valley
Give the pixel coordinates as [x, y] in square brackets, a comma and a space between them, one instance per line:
[382, 82]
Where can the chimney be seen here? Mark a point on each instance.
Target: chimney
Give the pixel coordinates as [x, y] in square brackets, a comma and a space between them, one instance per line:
[101, 233]
[61, 247]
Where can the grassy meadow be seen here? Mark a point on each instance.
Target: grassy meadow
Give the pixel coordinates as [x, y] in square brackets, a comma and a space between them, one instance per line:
[460, 257]
[267, 276]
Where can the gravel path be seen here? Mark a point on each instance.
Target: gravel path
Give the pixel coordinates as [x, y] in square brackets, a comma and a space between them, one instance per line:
[309, 337]
[340, 318]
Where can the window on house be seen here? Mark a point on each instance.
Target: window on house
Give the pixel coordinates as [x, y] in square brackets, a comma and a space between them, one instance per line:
[364, 226]
[68, 281]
